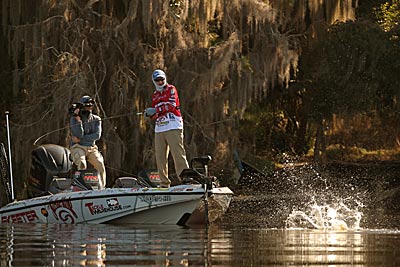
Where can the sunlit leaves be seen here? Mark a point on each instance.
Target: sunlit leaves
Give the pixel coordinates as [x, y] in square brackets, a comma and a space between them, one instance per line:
[388, 14]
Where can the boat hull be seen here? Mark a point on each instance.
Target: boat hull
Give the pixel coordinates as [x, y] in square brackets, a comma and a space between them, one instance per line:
[174, 205]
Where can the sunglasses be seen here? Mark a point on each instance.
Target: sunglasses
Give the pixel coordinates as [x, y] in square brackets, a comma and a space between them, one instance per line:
[159, 79]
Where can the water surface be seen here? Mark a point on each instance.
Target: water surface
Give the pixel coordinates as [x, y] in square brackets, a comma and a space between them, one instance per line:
[298, 217]
[107, 245]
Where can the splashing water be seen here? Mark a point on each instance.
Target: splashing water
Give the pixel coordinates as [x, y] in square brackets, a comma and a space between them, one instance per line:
[324, 200]
[302, 195]
[327, 217]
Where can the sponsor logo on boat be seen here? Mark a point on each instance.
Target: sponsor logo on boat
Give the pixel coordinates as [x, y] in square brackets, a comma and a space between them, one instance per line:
[179, 189]
[63, 211]
[44, 212]
[135, 189]
[112, 205]
[153, 198]
[154, 176]
[22, 217]
[112, 202]
[91, 178]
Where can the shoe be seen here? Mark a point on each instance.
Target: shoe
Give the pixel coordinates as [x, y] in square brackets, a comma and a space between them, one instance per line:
[165, 185]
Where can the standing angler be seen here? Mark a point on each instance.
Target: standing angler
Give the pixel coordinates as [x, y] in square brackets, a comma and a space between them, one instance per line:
[168, 127]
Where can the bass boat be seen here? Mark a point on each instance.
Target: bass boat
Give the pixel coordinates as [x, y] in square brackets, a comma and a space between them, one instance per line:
[57, 194]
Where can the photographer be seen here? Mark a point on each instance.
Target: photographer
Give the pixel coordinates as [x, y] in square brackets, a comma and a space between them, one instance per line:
[85, 131]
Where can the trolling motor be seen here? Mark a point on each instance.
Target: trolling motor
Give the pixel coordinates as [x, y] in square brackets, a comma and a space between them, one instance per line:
[198, 173]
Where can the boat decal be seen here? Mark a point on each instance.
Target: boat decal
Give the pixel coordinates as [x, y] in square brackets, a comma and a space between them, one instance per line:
[159, 189]
[44, 212]
[112, 205]
[21, 217]
[32, 203]
[91, 178]
[154, 176]
[178, 189]
[63, 211]
[155, 198]
[135, 189]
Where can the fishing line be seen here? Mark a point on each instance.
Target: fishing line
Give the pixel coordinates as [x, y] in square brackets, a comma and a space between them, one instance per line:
[125, 115]
[121, 171]
[103, 119]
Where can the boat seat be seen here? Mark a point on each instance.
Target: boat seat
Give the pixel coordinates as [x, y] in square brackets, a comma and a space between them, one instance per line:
[192, 176]
[127, 182]
[190, 173]
[59, 184]
[204, 160]
[189, 181]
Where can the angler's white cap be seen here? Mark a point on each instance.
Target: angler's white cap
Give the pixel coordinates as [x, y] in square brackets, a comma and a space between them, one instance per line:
[157, 74]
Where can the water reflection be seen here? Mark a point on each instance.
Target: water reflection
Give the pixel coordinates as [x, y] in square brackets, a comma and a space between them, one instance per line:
[302, 247]
[105, 245]
[324, 247]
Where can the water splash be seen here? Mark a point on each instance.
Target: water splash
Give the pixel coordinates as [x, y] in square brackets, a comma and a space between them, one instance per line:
[336, 216]
[324, 200]
[302, 195]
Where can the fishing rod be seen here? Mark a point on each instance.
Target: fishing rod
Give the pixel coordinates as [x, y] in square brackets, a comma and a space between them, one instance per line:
[113, 117]
[103, 119]
[9, 157]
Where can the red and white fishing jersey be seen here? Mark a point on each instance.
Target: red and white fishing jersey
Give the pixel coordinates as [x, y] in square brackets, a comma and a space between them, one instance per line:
[167, 104]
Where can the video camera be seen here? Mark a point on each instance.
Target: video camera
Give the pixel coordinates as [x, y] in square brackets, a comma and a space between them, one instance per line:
[74, 107]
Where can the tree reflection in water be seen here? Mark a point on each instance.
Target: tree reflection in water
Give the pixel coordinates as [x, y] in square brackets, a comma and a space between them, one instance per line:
[219, 245]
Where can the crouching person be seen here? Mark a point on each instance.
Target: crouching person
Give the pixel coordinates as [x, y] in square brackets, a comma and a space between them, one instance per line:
[85, 131]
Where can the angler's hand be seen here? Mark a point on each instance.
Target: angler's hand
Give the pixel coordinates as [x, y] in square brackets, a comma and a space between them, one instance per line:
[75, 139]
[76, 115]
[149, 112]
[165, 108]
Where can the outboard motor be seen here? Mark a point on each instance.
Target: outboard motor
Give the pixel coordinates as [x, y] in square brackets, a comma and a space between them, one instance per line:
[49, 162]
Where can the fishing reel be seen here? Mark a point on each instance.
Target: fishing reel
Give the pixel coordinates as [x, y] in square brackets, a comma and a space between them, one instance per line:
[74, 107]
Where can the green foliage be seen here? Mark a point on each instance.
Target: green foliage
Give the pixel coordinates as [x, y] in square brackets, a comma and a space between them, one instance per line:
[342, 153]
[388, 14]
[266, 130]
[351, 70]
[214, 31]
